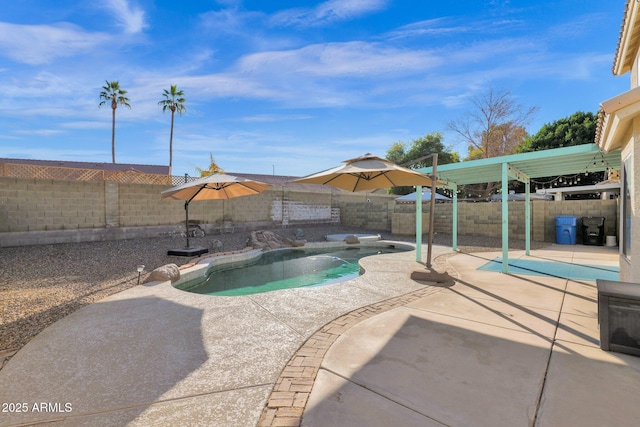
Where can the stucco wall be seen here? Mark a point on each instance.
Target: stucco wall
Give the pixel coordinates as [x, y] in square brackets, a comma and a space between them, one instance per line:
[630, 271]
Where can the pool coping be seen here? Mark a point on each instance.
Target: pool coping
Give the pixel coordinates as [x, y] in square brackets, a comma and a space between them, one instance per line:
[201, 266]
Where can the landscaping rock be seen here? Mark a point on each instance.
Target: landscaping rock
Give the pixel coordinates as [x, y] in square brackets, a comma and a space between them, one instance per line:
[352, 239]
[270, 240]
[217, 246]
[257, 245]
[273, 244]
[162, 274]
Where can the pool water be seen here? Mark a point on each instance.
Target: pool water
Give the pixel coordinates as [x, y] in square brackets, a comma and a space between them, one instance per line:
[286, 269]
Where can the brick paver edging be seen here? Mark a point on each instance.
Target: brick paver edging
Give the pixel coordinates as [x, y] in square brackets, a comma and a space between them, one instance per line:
[292, 389]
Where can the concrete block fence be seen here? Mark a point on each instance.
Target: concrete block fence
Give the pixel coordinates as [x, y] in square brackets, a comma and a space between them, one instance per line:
[485, 219]
[34, 211]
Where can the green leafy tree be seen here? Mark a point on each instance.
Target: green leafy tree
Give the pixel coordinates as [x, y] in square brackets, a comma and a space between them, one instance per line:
[577, 129]
[213, 168]
[412, 155]
[173, 101]
[114, 95]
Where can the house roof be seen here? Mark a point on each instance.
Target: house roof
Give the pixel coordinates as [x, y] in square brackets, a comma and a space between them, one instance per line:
[616, 114]
[629, 39]
[537, 164]
[148, 169]
[615, 117]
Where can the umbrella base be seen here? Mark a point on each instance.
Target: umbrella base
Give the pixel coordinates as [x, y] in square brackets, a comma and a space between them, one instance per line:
[188, 251]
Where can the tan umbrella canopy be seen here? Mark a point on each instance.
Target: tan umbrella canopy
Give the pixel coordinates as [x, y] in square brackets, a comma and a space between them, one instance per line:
[213, 187]
[367, 172]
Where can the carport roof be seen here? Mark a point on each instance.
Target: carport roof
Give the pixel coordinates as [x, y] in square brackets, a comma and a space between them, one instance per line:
[536, 164]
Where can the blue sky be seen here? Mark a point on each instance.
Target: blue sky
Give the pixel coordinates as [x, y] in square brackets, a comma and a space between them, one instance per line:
[291, 87]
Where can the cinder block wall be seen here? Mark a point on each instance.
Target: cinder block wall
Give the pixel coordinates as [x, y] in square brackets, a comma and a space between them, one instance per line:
[585, 208]
[40, 205]
[485, 219]
[365, 210]
[29, 205]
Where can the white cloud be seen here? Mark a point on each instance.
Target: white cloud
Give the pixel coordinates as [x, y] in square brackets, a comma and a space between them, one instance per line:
[339, 59]
[86, 125]
[264, 118]
[41, 44]
[20, 152]
[327, 12]
[40, 132]
[430, 27]
[132, 18]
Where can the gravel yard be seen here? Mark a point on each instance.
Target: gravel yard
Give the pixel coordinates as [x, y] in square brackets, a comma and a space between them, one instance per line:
[41, 284]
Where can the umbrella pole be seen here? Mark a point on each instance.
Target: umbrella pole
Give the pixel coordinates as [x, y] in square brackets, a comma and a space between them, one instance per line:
[186, 222]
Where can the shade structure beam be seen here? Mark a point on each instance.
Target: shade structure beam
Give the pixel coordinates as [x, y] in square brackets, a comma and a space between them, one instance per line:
[517, 174]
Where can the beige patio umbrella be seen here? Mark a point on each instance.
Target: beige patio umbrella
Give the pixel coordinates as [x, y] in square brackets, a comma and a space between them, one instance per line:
[217, 186]
[370, 172]
[365, 173]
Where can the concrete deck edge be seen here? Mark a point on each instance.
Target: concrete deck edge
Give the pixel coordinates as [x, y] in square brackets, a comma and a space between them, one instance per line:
[288, 399]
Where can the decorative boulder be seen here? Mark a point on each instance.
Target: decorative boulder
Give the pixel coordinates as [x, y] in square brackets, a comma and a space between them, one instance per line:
[272, 244]
[162, 274]
[351, 240]
[258, 245]
[266, 240]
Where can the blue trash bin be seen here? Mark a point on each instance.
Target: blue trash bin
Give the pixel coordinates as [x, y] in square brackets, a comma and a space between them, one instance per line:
[566, 227]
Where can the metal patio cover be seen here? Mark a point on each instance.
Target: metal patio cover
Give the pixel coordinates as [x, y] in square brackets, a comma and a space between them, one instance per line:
[536, 164]
[522, 167]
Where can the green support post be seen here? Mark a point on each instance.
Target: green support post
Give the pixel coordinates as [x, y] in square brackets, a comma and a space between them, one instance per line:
[527, 218]
[454, 214]
[418, 223]
[505, 217]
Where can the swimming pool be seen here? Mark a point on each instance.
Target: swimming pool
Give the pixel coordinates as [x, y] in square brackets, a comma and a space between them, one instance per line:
[284, 269]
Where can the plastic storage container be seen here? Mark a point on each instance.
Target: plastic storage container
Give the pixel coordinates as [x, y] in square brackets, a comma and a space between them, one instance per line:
[593, 230]
[566, 230]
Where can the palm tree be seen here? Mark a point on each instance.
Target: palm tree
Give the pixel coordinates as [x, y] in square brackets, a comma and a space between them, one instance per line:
[112, 93]
[174, 101]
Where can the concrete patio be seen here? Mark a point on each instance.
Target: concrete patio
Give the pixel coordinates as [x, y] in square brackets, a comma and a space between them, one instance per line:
[489, 350]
